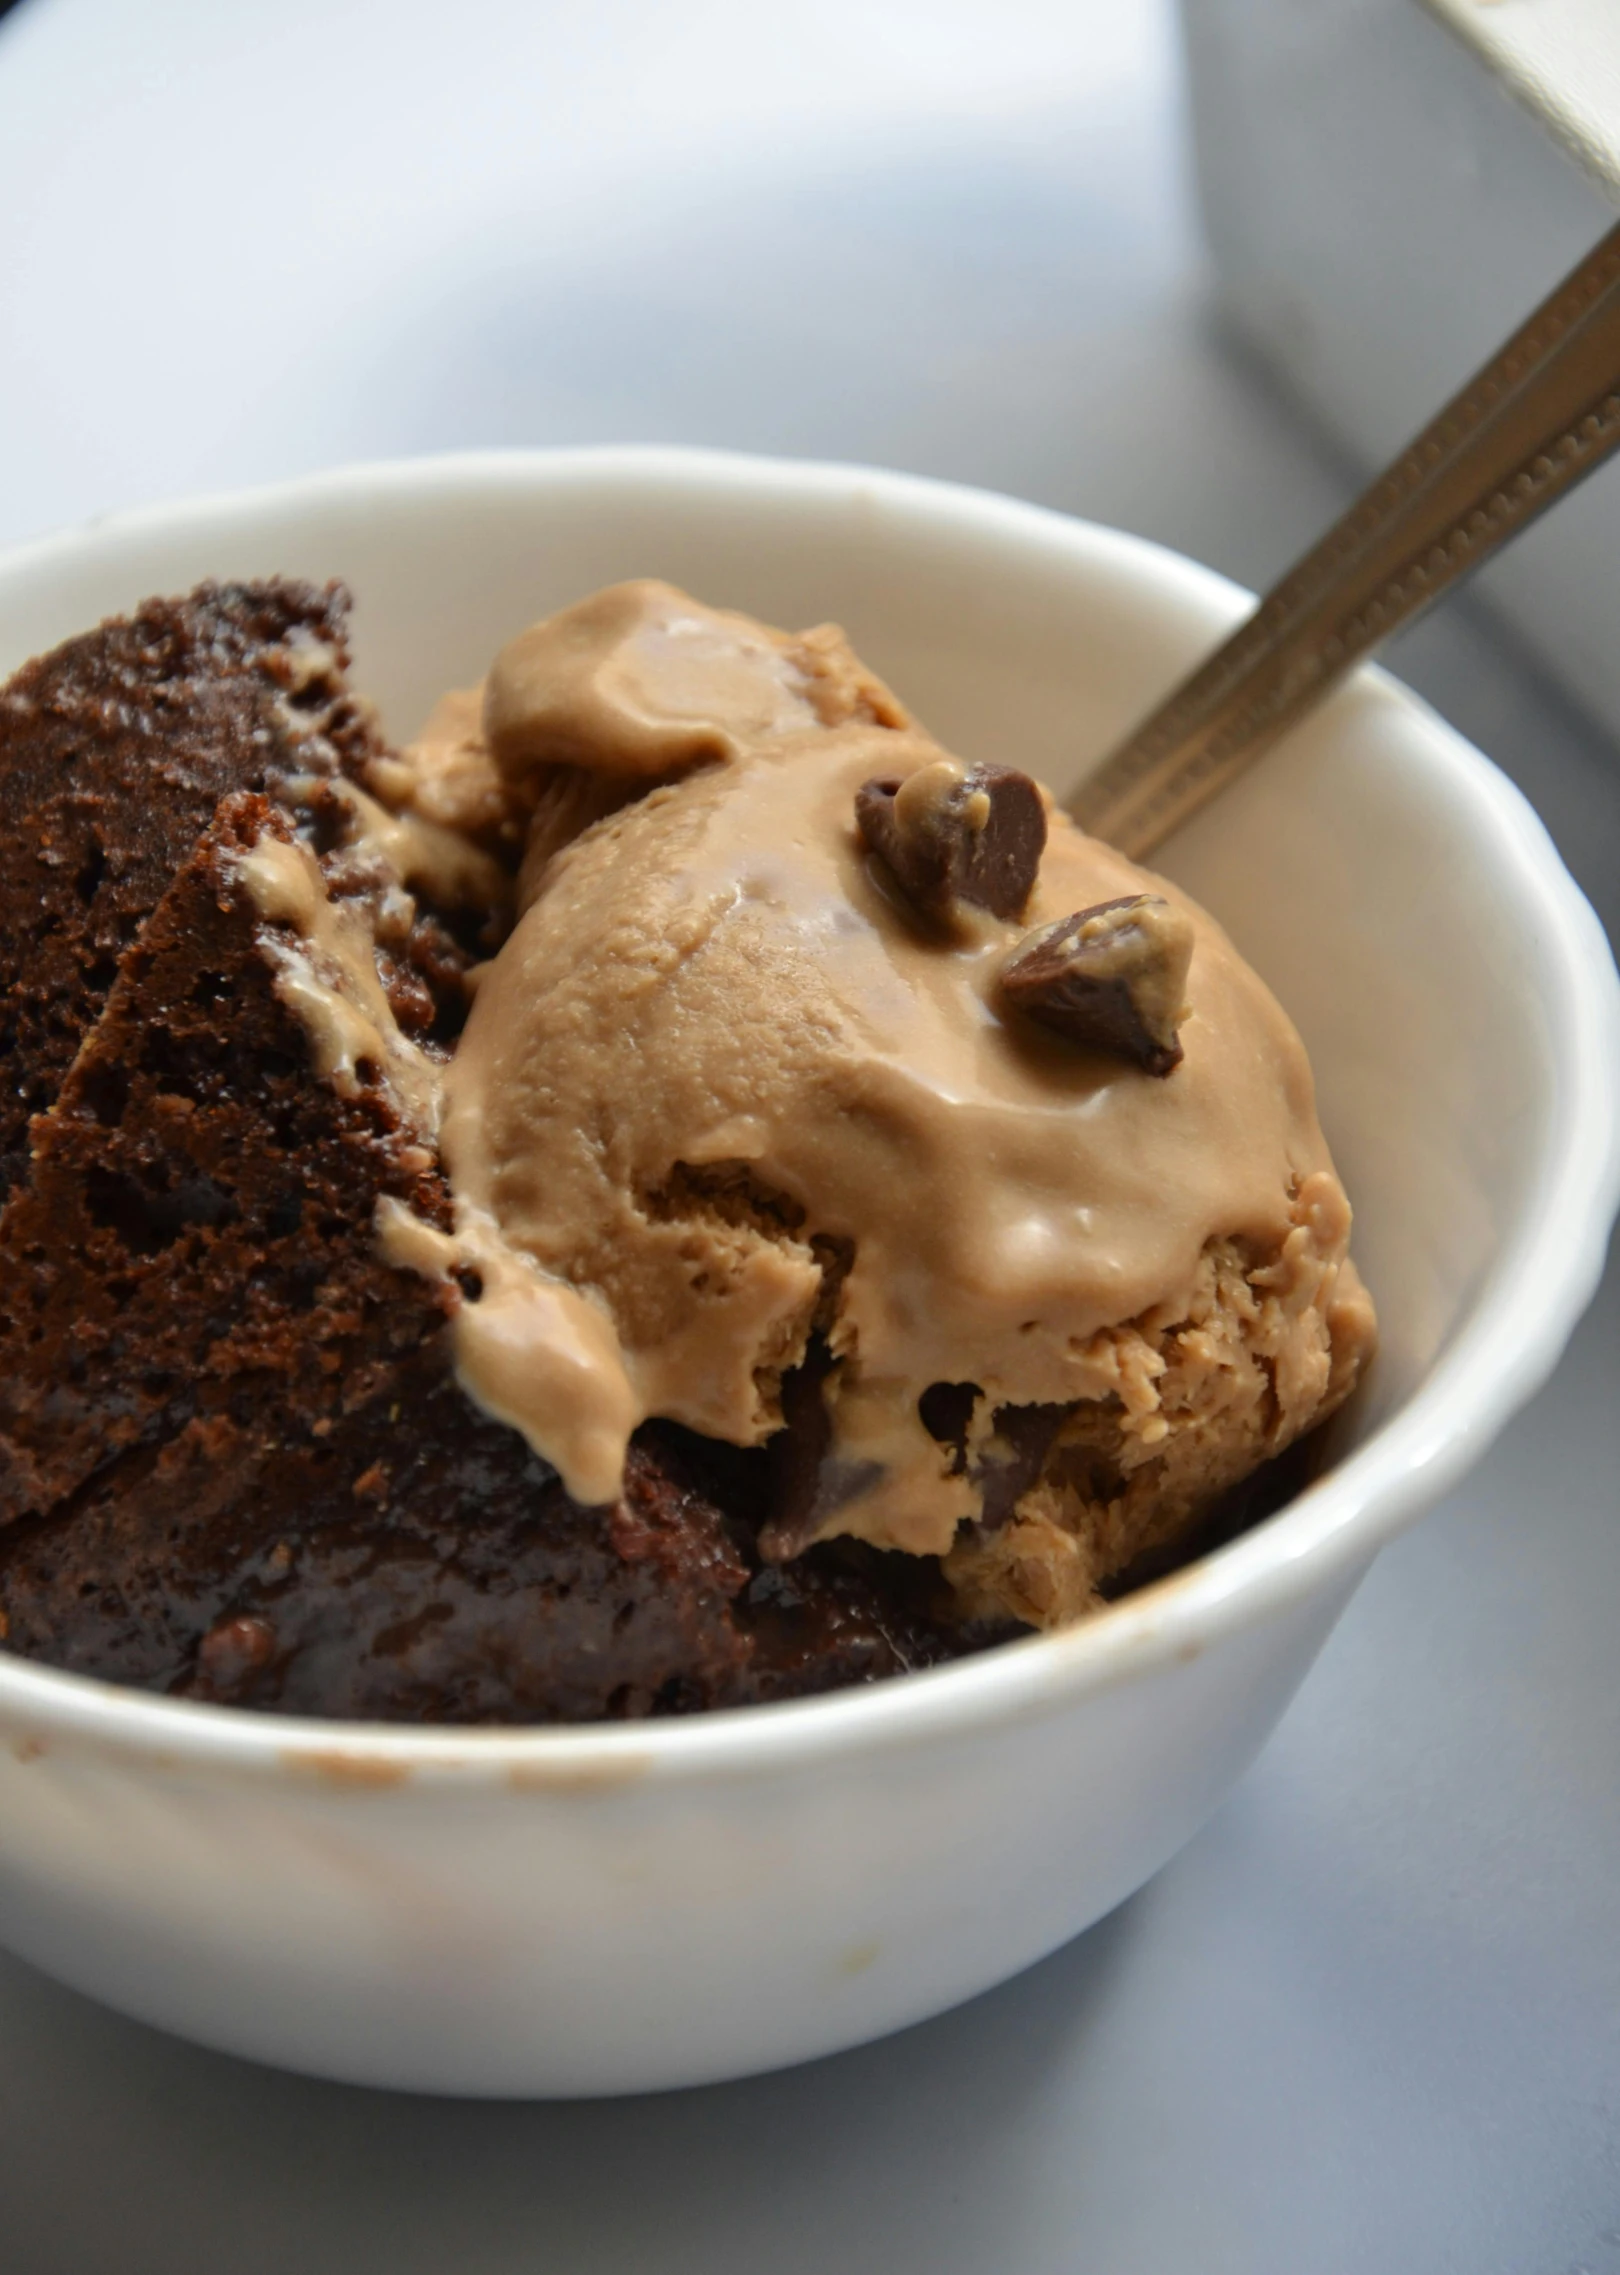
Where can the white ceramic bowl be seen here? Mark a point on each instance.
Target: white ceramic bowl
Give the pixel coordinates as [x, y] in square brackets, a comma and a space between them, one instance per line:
[602, 1910]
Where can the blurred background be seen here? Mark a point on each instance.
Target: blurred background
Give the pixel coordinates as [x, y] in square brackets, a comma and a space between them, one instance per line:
[1187, 272]
[240, 242]
[959, 236]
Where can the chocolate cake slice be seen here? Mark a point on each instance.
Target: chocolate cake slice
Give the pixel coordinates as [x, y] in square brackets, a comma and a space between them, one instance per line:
[117, 748]
[234, 1459]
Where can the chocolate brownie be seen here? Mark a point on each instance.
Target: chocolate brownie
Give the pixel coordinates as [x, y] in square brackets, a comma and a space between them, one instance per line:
[117, 748]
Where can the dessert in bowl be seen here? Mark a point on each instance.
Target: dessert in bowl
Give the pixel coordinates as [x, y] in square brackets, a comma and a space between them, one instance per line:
[667, 1191]
[604, 1907]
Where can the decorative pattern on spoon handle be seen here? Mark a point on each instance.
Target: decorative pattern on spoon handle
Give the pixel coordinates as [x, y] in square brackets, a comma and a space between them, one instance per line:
[1534, 421]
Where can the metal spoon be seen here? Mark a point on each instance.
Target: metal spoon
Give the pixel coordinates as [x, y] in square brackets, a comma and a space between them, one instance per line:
[1528, 426]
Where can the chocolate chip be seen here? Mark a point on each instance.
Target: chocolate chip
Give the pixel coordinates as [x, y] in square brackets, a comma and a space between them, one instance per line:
[953, 834]
[1110, 978]
[808, 1482]
[232, 1653]
[945, 1411]
[1013, 1460]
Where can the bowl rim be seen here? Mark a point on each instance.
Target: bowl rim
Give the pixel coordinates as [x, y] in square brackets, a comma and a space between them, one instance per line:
[1319, 1542]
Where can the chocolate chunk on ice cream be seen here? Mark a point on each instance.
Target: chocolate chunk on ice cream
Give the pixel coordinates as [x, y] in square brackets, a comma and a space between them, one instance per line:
[957, 838]
[564, 1219]
[1109, 978]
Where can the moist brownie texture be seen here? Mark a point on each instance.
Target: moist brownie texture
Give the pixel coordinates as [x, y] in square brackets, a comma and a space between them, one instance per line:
[117, 749]
[235, 1462]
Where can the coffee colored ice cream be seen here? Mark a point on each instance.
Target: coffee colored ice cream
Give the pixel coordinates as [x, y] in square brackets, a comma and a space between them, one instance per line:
[753, 1124]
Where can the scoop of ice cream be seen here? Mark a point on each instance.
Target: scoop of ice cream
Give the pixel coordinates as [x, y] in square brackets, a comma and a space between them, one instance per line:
[730, 1110]
[640, 681]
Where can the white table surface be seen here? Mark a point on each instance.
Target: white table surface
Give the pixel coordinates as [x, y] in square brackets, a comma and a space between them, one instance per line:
[1370, 2019]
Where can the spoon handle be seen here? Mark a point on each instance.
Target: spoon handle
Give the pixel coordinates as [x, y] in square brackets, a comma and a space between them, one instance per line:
[1527, 427]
